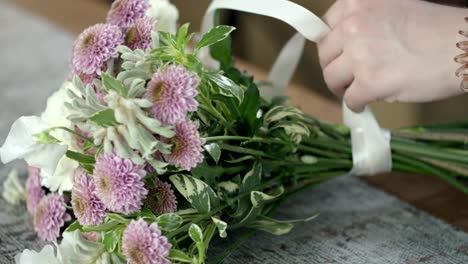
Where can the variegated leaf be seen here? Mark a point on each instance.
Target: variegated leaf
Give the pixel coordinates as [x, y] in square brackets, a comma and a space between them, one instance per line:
[280, 112]
[259, 199]
[195, 233]
[221, 225]
[198, 193]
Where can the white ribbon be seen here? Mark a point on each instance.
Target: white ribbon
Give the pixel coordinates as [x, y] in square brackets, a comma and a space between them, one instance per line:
[370, 144]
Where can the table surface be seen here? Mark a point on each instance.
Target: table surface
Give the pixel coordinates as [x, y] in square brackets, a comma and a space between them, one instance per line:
[357, 223]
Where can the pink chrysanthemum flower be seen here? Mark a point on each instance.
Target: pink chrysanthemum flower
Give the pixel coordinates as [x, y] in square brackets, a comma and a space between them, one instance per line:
[50, 216]
[161, 198]
[172, 92]
[119, 183]
[124, 13]
[139, 35]
[34, 191]
[93, 48]
[87, 207]
[187, 150]
[144, 244]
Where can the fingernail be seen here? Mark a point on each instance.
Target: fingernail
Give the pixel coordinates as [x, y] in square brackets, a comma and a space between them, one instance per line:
[461, 71]
[462, 58]
[463, 45]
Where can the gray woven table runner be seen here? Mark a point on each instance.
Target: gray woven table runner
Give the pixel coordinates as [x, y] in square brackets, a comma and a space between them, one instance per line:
[357, 223]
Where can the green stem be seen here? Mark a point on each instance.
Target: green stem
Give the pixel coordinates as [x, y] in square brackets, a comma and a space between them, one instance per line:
[434, 136]
[74, 133]
[206, 102]
[427, 151]
[428, 169]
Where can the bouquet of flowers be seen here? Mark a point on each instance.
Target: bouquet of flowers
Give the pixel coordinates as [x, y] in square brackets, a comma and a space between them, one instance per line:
[145, 154]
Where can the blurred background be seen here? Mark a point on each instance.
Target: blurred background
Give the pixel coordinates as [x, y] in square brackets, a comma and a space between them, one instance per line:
[258, 41]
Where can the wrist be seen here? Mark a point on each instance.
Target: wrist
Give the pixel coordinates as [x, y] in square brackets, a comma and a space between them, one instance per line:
[462, 59]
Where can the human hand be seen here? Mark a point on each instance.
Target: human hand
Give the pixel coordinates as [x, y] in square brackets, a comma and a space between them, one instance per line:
[391, 50]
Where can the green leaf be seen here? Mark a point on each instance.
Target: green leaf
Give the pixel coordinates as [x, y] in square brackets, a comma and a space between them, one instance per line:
[80, 158]
[105, 118]
[198, 193]
[228, 188]
[280, 112]
[226, 86]
[100, 228]
[195, 233]
[250, 182]
[118, 218]
[74, 226]
[249, 110]
[181, 35]
[214, 150]
[209, 174]
[45, 138]
[221, 225]
[214, 36]
[169, 222]
[179, 255]
[222, 52]
[110, 83]
[110, 240]
[272, 227]
[259, 199]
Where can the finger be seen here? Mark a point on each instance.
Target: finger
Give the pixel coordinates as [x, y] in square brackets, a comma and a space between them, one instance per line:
[338, 75]
[334, 14]
[331, 47]
[356, 99]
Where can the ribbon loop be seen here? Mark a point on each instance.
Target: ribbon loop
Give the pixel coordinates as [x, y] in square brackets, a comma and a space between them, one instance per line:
[370, 143]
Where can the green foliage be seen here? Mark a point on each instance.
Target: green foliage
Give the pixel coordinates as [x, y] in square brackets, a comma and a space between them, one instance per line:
[104, 118]
[214, 150]
[74, 226]
[249, 110]
[214, 36]
[112, 84]
[225, 85]
[180, 256]
[169, 222]
[86, 162]
[196, 192]
[196, 233]
[110, 239]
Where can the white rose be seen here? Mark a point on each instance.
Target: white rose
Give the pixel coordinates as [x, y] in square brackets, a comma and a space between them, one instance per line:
[165, 13]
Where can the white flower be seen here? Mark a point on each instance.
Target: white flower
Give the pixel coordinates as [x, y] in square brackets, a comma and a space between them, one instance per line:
[46, 255]
[74, 248]
[20, 144]
[13, 190]
[62, 179]
[56, 113]
[165, 13]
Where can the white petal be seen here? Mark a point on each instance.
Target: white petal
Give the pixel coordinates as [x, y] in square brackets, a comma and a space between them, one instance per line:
[13, 190]
[56, 113]
[46, 255]
[62, 179]
[74, 248]
[46, 157]
[165, 13]
[20, 142]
